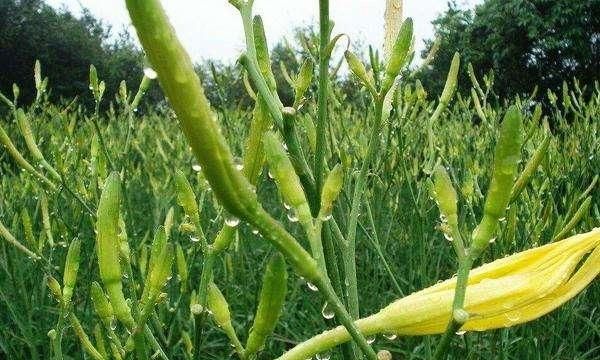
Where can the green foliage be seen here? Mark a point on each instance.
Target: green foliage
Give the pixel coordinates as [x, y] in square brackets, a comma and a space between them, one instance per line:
[525, 43]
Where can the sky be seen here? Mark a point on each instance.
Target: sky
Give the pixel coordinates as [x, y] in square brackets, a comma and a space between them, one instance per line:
[211, 29]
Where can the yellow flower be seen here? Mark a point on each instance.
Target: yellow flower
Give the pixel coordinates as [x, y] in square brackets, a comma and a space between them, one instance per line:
[507, 292]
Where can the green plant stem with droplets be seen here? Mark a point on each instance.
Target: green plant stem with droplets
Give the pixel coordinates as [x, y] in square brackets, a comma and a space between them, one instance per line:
[182, 87]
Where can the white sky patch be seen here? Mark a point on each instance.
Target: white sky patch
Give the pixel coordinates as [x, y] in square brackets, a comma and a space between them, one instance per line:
[211, 29]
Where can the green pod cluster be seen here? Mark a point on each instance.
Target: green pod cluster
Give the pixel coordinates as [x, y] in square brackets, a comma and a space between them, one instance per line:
[262, 53]
[530, 169]
[399, 54]
[302, 81]
[107, 247]
[270, 305]
[28, 228]
[360, 71]
[71, 269]
[46, 219]
[445, 195]
[186, 197]
[181, 85]
[102, 306]
[288, 183]
[97, 87]
[218, 306]
[506, 160]
[331, 190]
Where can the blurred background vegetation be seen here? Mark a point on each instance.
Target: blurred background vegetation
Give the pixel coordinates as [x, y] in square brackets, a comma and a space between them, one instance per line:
[523, 42]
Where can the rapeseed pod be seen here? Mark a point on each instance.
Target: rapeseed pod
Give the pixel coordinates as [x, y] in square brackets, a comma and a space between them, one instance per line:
[506, 292]
[399, 54]
[358, 69]
[70, 271]
[107, 246]
[331, 190]
[445, 195]
[270, 305]
[186, 197]
[506, 160]
[101, 305]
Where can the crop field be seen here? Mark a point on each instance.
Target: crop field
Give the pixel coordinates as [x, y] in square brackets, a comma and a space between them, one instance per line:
[182, 230]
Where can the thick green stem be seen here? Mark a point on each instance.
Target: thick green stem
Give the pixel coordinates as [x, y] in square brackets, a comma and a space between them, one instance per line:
[324, 31]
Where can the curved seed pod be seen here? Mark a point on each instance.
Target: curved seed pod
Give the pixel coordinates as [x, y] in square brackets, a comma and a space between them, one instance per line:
[399, 54]
[303, 80]
[583, 209]
[99, 338]
[262, 53]
[529, 169]
[477, 104]
[169, 221]
[83, 338]
[11, 239]
[182, 87]
[55, 288]
[186, 197]
[445, 195]
[182, 268]
[218, 306]
[506, 159]
[27, 133]
[358, 69]
[284, 174]
[71, 268]
[20, 160]
[107, 246]
[270, 305]
[102, 307]
[223, 239]
[331, 190]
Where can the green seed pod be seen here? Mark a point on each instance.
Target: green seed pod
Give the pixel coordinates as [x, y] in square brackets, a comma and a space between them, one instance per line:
[102, 307]
[70, 271]
[99, 338]
[143, 261]
[28, 228]
[270, 305]
[451, 80]
[262, 53]
[302, 82]
[445, 195]
[16, 92]
[182, 268]
[331, 190]
[187, 343]
[218, 306]
[358, 69]
[186, 197]
[399, 54]
[506, 159]
[477, 104]
[37, 74]
[169, 221]
[11, 239]
[529, 169]
[107, 247]
[55, 288]
[161, 259]
[254, 156]
[93, 80]
[283, 172]
[83, 338]
[46, 219]
[223, 239]
[123, 91]
[27, 133]
[124, 249]
[20, 160]
[583, 209]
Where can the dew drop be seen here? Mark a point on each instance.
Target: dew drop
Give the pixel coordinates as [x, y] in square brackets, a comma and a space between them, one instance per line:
[292, 217]
[232, 221]
[312, 286]
[150, 73]
[390, 336]
[197, 168]
[371, 339]
[492, 240]
[461, 332]
[327, 311]
[324, 356]
[194, 239]
[448, 237]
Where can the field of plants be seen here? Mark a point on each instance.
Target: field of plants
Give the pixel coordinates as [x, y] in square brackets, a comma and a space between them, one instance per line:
[181, 231]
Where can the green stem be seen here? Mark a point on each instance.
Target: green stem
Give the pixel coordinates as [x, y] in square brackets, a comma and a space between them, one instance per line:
[324, 25]
[350, 249]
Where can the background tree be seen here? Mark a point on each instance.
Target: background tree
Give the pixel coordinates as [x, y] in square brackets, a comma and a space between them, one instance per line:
[525, 43]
